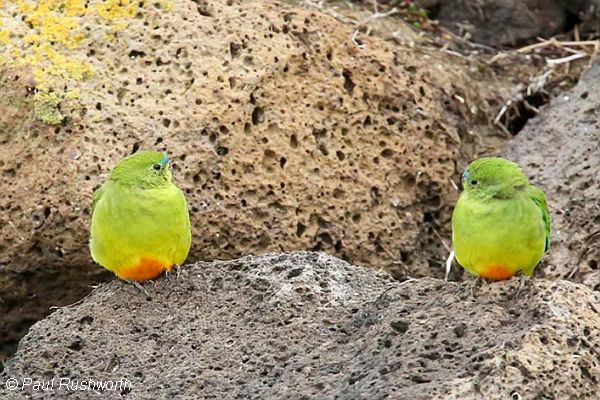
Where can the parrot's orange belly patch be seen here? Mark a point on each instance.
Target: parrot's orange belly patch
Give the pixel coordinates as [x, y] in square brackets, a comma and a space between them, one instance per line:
[146, 268]
[496, 272]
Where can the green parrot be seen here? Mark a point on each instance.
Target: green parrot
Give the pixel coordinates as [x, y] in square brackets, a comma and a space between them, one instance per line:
[501, 224]
[140, 219]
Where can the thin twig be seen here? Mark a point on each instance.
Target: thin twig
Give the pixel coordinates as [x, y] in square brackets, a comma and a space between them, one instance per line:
[367, 21]
[376, 16]
[94, 288]
[567, 59]
[584, 251]
[469, 43]
[557, 43]
[441, 239]
[504, 129]
[594, 54]
[502, 111]
[449, 265]
[354, 35]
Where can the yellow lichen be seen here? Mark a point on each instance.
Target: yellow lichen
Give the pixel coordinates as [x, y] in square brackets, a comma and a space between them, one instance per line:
[108, 37]
[119, 26]
[61, 30]
[31, 38]
[167, 5]
[62, 66]
[15, 53]
[72, 94]
[25, 7]
[114, 9]
[42, 34]
[52, 26]
[75, 7]
[4, 36]
[46, 108]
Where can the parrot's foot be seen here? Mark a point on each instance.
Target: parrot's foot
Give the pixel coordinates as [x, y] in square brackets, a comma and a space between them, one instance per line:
[139, 287]
[523, 280]
[475, 285]
[177, 269]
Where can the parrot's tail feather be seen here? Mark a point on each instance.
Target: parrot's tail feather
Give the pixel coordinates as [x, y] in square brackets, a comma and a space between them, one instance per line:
[146, 268]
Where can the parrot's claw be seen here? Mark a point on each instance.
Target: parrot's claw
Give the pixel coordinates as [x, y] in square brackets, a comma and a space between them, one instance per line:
[522, 282]
[476, 284]
[140, 287]
[177, 269]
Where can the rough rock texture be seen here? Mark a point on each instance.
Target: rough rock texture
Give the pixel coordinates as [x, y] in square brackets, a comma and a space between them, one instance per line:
[500, 22]
[560, 149]
[284, 135]
[307, 325]
[588, 12]
[282, 131]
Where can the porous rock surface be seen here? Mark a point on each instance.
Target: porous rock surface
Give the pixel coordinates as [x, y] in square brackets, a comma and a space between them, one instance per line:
[307, 326]
[560, 150]
[284, 135]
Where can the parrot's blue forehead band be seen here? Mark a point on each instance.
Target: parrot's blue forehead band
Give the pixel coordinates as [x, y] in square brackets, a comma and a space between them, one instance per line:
[165, 160]
[465, 175]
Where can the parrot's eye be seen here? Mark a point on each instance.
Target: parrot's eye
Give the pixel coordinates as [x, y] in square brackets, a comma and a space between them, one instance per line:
[474, 182]
[156, 167]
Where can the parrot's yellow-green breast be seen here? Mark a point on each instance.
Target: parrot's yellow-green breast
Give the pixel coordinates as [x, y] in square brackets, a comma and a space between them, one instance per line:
[501, 224]
[140, 221]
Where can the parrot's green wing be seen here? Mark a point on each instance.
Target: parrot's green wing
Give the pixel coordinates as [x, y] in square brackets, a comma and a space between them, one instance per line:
[97, 197]
[539, 198]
